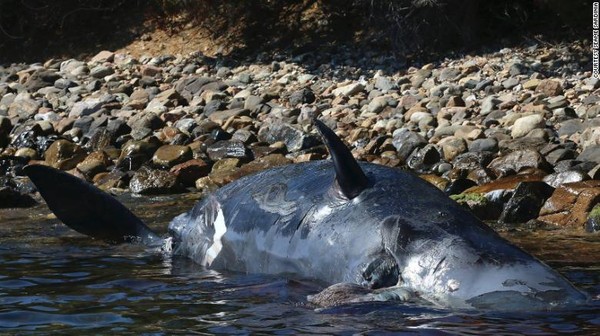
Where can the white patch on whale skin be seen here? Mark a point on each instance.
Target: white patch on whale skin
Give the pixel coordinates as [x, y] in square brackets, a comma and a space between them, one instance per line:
[220, 229]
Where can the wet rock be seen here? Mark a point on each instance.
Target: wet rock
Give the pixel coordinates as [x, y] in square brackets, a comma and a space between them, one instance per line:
[5, 128]
[171, 155]
[64, 155]
[506, 183]
[113, 179]
[479, 205]
[526, 202]
[229, 149]
[218, 134]
[263, 163]
[423, 159]
[570, 204]
[135, 153]
[187, 173]
[294, 139]
[437, 181]
[11, 166]
[25, 152]
[458, 186]
[517, 161]
[11, 198]
[206, 185]
[93, 164]
[148, 181]
[224, 171]
[593, 221]
[557, 179]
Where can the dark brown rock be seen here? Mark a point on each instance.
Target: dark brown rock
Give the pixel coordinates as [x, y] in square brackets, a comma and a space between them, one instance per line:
[571, 203]
[64, 155]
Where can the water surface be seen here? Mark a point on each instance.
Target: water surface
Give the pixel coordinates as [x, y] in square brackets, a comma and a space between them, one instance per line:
[54, 280]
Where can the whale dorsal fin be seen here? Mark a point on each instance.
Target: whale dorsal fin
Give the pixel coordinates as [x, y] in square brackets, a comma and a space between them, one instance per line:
[87, 209]
[350, 178]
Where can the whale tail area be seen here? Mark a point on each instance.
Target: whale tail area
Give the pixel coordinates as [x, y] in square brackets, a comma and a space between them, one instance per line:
[89, 210]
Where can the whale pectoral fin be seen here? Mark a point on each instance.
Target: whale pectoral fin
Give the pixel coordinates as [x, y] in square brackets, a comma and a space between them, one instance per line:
[347, 293]
[395, 293]
[381, 272]
[87, 209]
[339, 294]
[349, 177]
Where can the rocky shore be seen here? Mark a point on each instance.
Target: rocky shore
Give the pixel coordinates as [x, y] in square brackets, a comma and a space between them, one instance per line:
[513, 134]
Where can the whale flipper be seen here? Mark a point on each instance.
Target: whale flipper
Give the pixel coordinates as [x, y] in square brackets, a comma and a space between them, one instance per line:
[87, 209]
[349, 176]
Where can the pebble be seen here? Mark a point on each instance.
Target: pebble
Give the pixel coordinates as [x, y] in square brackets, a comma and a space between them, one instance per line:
[526, 124]
[479, 118]
[169, 155]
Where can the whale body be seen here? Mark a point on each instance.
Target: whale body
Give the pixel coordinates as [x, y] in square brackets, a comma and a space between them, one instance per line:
[338, 221]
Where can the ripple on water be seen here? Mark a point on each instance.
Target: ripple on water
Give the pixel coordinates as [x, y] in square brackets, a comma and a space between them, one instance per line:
[32, 320]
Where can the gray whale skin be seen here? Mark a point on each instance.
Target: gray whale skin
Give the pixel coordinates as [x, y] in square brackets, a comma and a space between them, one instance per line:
[384, 232]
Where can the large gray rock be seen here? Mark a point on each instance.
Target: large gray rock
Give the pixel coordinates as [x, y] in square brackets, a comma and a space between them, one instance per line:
[517, 161]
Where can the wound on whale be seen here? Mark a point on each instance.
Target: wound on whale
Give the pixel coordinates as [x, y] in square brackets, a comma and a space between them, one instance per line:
[374, 233]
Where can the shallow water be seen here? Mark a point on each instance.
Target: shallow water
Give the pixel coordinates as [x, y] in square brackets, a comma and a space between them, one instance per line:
[54, 280]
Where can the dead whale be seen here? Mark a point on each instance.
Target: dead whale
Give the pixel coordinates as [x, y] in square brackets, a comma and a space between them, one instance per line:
[338, 221]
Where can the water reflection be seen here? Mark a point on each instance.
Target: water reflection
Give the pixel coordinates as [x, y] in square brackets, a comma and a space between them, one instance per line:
[53, 280]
